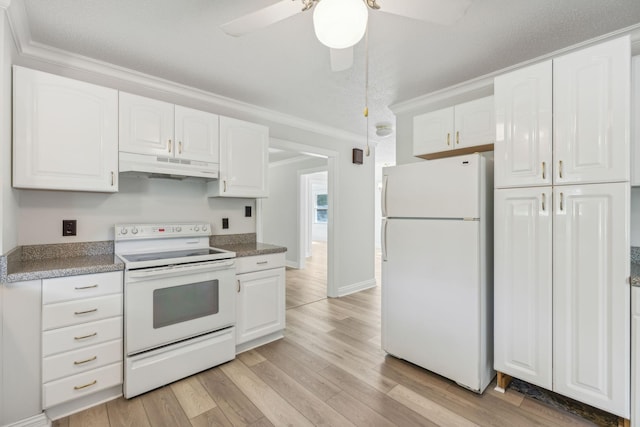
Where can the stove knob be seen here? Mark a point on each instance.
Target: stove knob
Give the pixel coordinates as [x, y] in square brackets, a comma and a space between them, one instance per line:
[124, 231]
[134, 230]
[196, 228]
[178, 229]
[204, 228]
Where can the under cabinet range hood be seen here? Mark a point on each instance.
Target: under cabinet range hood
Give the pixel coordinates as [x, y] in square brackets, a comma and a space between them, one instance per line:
[166, 167]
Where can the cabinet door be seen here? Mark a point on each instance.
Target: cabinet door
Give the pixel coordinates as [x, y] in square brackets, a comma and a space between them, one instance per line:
[523, 284]
[146, 125]
[635, 121]
[197, 135]
[591, 295]
[433, 132]
[523, 105]
[65, 133]
[591, 114]
[474, 123]
[635, 357]
[260, 306]
[244, 151]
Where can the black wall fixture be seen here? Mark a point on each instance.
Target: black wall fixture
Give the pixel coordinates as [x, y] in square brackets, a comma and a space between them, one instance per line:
[357, 156]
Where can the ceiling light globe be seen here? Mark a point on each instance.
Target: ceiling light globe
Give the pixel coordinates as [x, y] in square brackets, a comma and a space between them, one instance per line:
[340, 24]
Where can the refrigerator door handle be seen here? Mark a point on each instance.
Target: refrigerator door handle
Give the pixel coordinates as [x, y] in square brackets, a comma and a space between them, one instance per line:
[384, 240]
[383, 196]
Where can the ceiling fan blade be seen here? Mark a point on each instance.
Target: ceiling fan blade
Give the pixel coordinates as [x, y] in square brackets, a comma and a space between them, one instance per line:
[443, 12]
[262, 18]
[341, 59]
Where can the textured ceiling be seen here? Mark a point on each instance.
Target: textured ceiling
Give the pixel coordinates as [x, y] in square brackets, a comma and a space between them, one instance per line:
[284, 67]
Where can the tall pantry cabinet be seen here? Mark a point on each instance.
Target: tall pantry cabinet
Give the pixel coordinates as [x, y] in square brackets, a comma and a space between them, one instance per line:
[562, 297]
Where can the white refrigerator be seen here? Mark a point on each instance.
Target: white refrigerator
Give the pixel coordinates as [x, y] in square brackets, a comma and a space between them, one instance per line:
[437, 267]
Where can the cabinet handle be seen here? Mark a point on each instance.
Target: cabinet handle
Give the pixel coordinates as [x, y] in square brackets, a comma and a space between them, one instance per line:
[561, 202]
[79, 288]
[544, 170]
[80, 387]
[224, 181]
[86, 311]
[560, 168]
[81, 362]
[262, 262]
[544, 200]
[84, 337]
[113, 178]
[457, 137]
[448, 139]
[169, 144]
[238, 281]
[179, 147]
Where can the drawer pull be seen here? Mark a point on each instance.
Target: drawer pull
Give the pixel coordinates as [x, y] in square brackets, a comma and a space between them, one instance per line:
[262, 262]
[82, 362]
[77, 313]
[85, 336]
[79, 288]
[80, 387]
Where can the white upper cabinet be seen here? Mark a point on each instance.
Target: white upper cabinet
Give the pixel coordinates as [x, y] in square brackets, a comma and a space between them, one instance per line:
[196, 134]
[65, 133]
[149, 126]
[591, 114]
[432, 132]
[466, 125]
[591, 295]
[523, 284]
[244, 150]
[146, 125]
[523, 148]
[635, 121]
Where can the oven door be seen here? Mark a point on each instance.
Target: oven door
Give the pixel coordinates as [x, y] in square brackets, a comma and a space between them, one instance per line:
[169, 304]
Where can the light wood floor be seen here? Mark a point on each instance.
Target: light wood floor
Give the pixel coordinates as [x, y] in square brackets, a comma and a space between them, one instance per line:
[309, 284]
[328, 370]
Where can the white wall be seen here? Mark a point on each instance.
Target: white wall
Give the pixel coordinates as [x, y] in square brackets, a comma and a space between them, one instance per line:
[139, 200]
[280, 210]
[8, 196]
[635, 216]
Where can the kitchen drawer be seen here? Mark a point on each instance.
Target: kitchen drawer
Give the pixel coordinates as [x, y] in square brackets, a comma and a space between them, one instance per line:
[82, 360]
[76, 386]
[83, 286]
[79, 336]
[259, 262]
[80, 311]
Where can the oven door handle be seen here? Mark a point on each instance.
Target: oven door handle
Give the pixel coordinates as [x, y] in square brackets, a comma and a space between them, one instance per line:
[175, 270]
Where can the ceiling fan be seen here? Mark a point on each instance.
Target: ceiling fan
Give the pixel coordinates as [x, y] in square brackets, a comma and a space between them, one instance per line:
[341, 24]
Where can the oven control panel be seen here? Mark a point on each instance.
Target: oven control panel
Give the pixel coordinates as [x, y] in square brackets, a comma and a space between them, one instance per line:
[156, 231]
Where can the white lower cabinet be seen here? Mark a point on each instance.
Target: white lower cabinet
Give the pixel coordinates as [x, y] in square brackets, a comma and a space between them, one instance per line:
[82, 336]
[635, 358]
[569, 285]
[260, 302]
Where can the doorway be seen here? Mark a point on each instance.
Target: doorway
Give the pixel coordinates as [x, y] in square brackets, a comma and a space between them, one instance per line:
[299, 212]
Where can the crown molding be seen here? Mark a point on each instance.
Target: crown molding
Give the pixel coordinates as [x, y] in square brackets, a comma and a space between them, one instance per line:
[27, 48]
[486, 81]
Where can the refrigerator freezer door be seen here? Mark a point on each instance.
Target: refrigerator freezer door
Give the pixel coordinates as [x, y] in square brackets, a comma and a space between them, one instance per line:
[430, 296]
[444, 188]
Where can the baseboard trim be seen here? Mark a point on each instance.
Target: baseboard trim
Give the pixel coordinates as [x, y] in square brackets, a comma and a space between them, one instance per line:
[241, 348]
[356, 287]
[71, 407]
[292, 264]
[39, 420]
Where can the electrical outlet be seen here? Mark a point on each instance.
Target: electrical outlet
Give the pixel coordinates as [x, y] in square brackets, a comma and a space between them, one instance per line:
[247, 211]
[225, 223]
[68, 227]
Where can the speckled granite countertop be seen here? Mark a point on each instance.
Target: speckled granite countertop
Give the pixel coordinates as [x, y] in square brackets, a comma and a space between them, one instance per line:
[244, 245]
[635, 266]
[58, 260]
